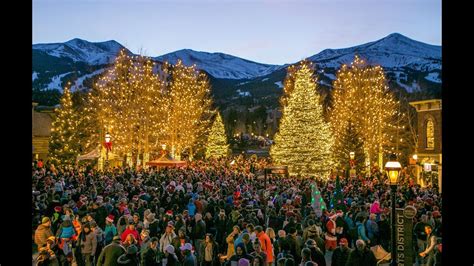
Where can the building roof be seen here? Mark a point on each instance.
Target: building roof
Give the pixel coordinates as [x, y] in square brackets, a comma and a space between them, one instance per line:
[41, 124]
[426, 101]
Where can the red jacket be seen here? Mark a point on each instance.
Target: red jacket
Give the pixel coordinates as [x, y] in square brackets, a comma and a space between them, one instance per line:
[127, 232]
[266, 244]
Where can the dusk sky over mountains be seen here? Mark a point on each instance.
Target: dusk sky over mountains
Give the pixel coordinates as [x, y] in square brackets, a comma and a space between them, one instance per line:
[271, 32]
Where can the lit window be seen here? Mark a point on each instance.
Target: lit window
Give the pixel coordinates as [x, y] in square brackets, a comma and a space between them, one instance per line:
[430, 134]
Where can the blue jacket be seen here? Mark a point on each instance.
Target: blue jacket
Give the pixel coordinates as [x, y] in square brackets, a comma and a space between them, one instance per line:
[361, 231]
[67, 232]
[191, 209]
[372, 229]
[109, 232]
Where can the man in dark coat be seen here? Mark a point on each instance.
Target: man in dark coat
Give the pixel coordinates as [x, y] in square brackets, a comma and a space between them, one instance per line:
[316, 254]
[111, 253]
[148, 257]
[199, 233]
[361, 256]
[341, 253]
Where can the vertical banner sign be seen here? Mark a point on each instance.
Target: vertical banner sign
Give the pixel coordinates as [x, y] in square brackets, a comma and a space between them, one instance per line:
[404, 230]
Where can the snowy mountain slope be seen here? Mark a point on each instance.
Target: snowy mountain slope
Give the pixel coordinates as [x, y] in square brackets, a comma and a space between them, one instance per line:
[56, 82]
[220, 65]
[409, 65]
[393, 51]
[93, 53]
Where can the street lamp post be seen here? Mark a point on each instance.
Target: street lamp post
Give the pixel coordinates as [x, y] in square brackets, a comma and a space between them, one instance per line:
[351, 164]
[107, 148]
[392, 168]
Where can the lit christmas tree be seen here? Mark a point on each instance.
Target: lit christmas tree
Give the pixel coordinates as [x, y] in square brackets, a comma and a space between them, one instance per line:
[64, 141]
[217, 142]
[129, 102]
[189, 108]
[317, 201]
[304, 140]
[361, 95]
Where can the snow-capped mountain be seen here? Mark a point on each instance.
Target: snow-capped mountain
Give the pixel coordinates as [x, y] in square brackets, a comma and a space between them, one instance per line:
[92, 53]
[409, 65]
[393, 51]
[220, 65]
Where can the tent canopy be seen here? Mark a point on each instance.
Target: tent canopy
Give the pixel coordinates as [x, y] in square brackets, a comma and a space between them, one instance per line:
[95, 154]
[165, 161]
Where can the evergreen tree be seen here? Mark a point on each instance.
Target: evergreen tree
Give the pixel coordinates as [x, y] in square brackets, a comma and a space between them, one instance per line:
[304, 140]
[351, 141]
[64, 144]
[217, 142]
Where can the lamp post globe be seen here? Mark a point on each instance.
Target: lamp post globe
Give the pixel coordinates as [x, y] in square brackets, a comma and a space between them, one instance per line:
[107, 137]
[392, 168]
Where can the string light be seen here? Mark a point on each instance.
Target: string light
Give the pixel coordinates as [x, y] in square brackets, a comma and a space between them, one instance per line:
[217, 142]
[361, 97]
[304, 140]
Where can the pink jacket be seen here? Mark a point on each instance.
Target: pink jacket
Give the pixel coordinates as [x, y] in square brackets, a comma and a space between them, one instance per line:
[375, 208]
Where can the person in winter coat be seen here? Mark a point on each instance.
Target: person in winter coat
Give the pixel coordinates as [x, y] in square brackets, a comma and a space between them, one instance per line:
[46, 258]
[372, 230]
[198, 234]
[209, 251]
[191, 208]
[100, 238]
[230, 239]
[100, 212]
[170, 258]
[149, 253]
[189, 258]
[43, 232]
[361, 256]
[221, 226]
[88, 244]
[311, 231]
[167, 237]
[265, 243]
[384, 232]
[110, 229]
[351, 228]
[296, 243]
[153, 225]
[180, 241]
[259, 253]
[430, 245]
[341, 253]
[316, 254]
[361, 229]
[130, 230]
[111, 253]
[130, 258]
[240, 253]
[375, 209]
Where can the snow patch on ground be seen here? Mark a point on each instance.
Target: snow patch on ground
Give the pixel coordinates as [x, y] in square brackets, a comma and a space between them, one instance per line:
[408, 88]
[331, 76]
[265, 79]
[434, 77]
[279, 84]
[242, 83]
[56, 82]
[78, 84]
[35, 75]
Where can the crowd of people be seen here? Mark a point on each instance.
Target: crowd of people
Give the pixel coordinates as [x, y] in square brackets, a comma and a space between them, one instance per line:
[215, 212]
